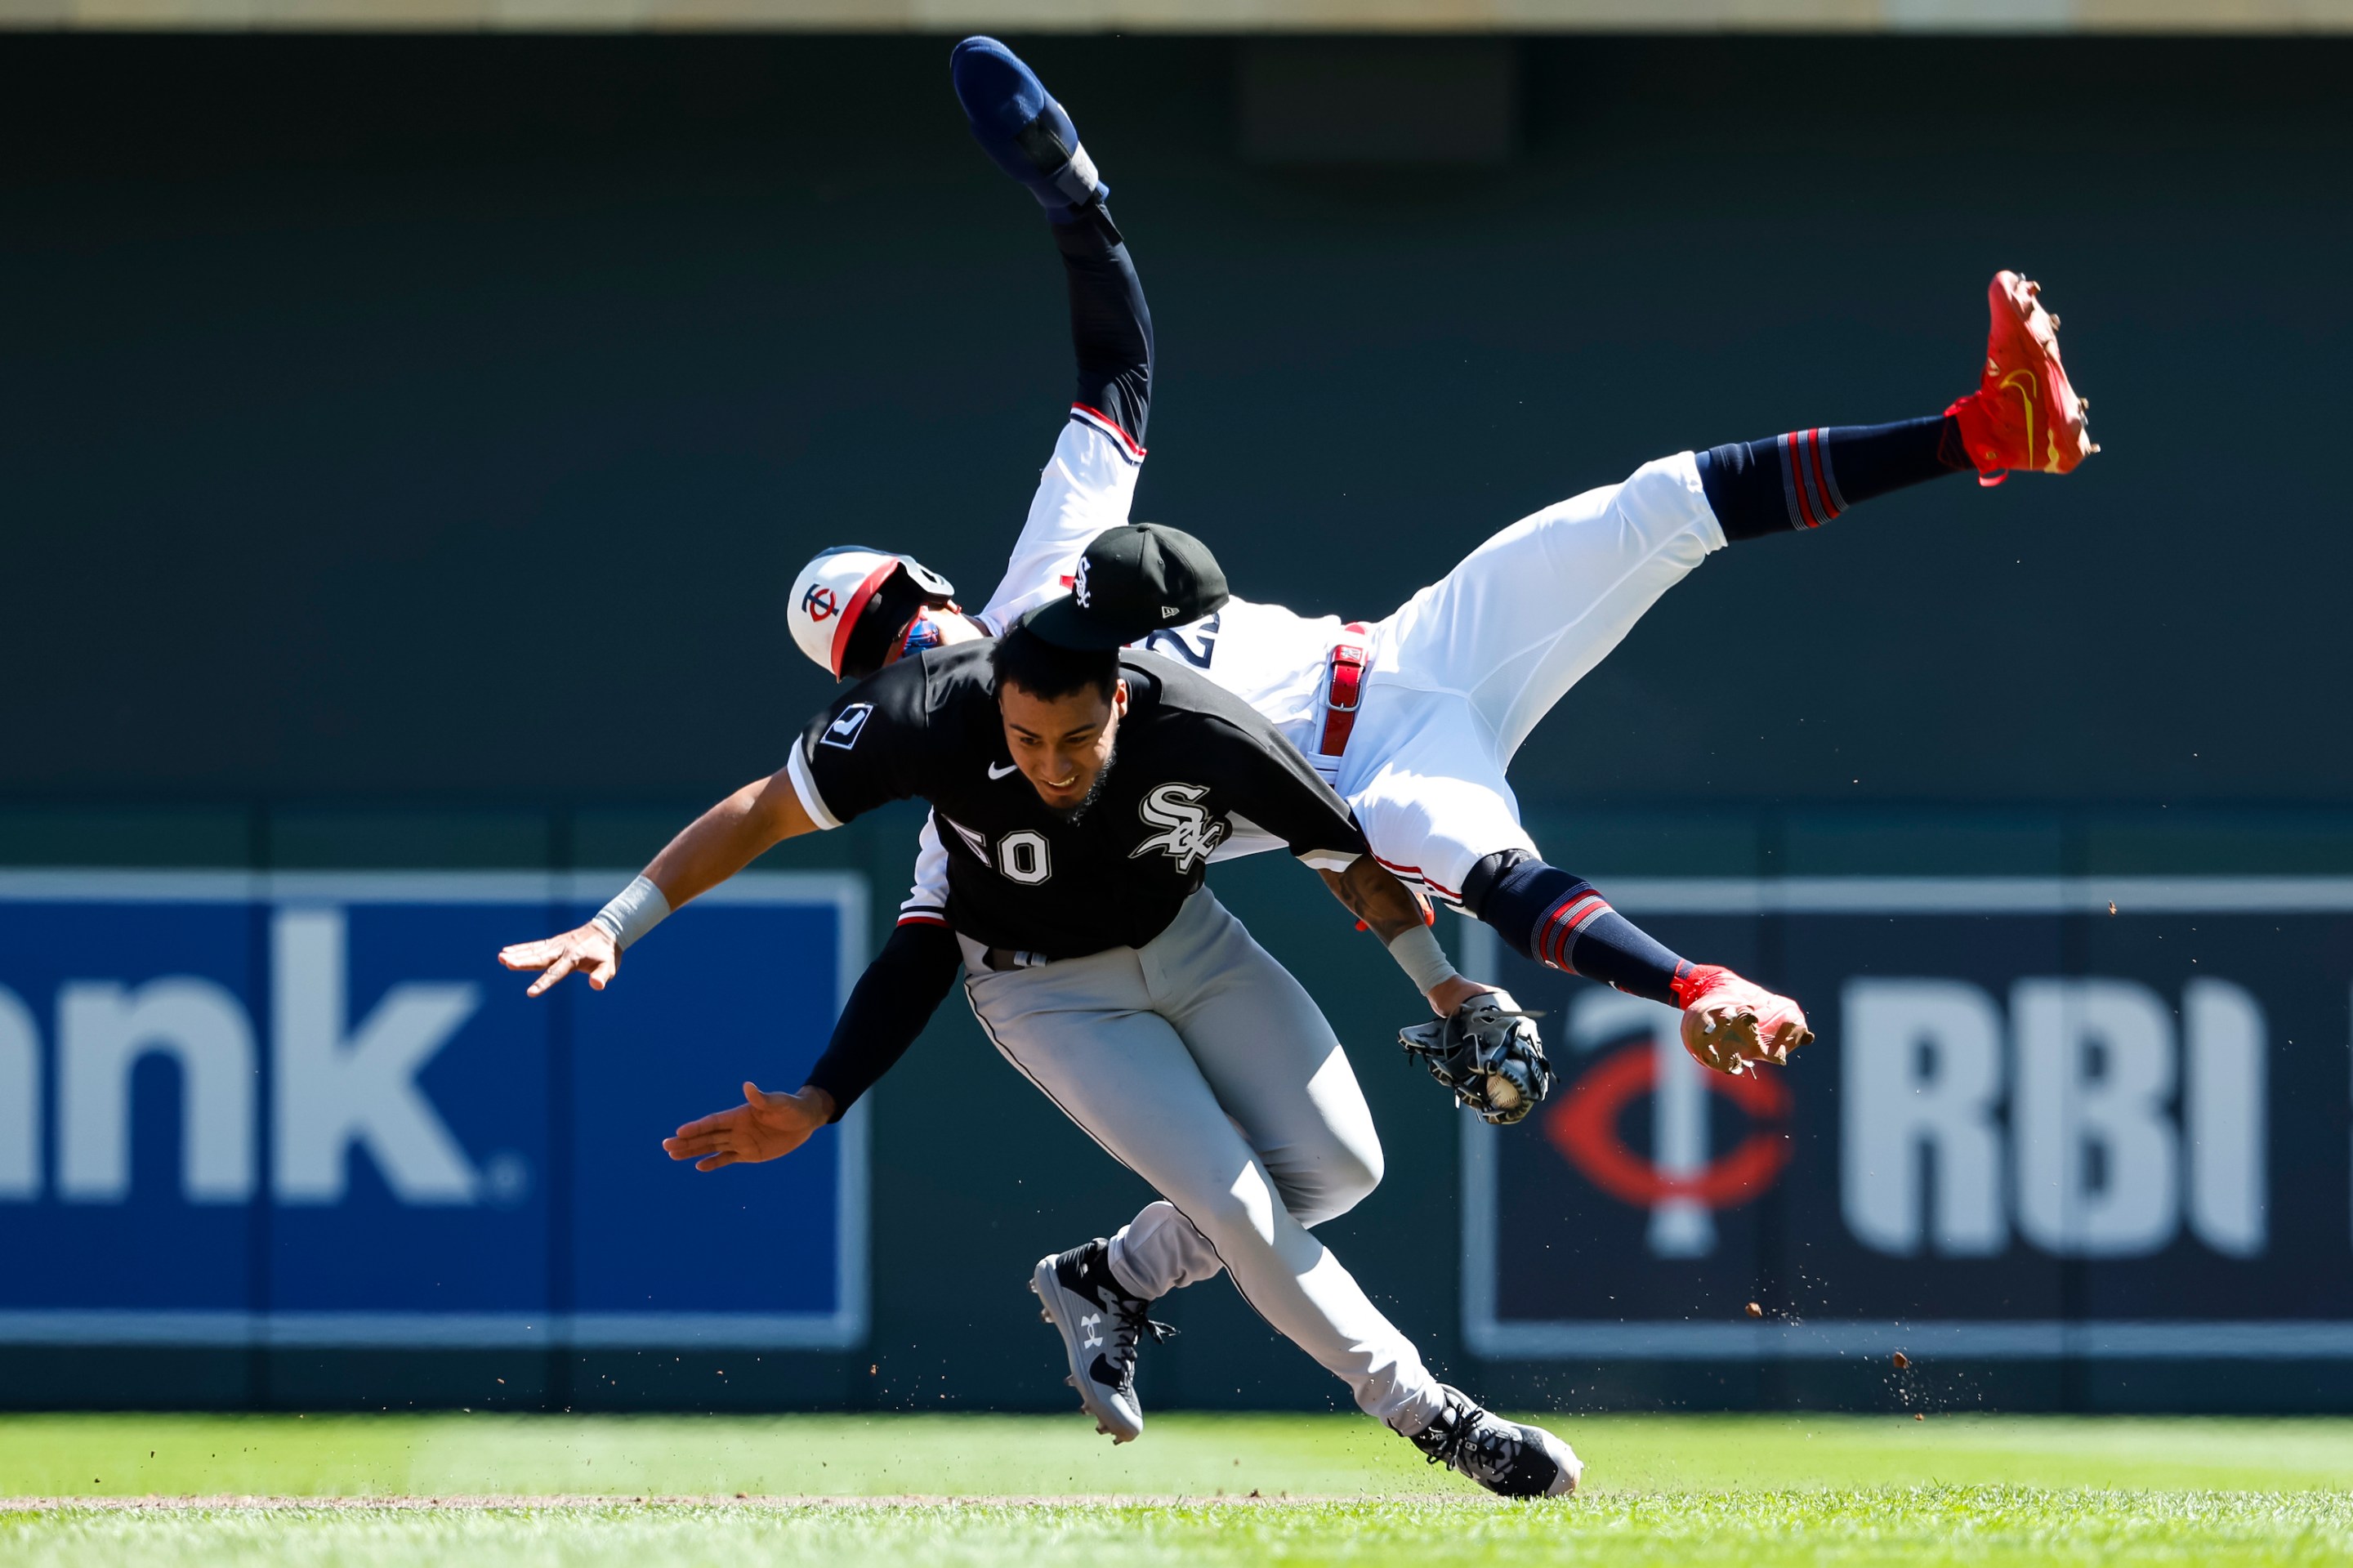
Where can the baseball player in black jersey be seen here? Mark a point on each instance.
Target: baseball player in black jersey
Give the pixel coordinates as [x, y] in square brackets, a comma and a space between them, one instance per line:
[1084, 791]
[1414, 718]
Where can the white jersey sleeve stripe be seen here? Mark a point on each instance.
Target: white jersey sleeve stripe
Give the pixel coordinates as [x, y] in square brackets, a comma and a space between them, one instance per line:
[1109, 426]
[804, 785]
[926, 903]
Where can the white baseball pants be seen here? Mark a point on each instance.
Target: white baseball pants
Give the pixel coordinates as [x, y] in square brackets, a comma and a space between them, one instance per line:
[1459, 675]
[1200, 1063]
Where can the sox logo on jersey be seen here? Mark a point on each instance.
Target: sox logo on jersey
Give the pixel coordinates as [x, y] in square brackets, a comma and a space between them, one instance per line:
[1191, 835]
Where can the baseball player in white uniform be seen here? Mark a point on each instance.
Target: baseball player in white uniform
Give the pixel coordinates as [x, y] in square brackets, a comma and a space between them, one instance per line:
[1412, 719]
[1078, 792]
[1415, 717]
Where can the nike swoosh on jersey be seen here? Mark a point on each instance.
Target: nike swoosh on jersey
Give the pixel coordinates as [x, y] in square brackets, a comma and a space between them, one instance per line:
[996, 772]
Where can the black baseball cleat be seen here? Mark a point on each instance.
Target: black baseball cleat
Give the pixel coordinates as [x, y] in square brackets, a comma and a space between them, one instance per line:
[1505, 1457]
[1100, 1325]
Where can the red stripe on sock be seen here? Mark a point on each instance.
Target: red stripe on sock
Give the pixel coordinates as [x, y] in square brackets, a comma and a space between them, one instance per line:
[1801, 444]
[1821, 485]
[1562, 925]
[1798, 479]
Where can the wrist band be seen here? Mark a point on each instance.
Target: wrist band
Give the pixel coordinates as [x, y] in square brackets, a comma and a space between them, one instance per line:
[634, 911]
[1422, 959]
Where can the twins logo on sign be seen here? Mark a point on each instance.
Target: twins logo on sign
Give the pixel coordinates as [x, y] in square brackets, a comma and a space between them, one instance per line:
[1682, 1182]
[848, 725]
[1191, 835]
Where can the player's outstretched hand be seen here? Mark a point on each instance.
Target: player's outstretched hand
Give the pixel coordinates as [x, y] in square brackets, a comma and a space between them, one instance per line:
[589, 949]
[765, 1127]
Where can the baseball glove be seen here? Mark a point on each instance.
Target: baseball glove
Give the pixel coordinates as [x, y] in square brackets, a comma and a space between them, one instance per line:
[1488, 1054]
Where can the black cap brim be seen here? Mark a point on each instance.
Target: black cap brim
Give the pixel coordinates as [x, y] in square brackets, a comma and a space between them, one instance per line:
[1065, 624]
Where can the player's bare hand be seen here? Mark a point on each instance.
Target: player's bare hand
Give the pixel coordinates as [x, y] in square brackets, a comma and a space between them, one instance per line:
[1453, 993]
[765, 1127]
[589, 949]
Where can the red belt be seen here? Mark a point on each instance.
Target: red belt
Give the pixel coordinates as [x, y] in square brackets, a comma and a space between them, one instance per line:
[1345, 689]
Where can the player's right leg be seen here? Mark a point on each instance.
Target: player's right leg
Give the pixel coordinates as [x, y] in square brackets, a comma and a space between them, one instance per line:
[1083, 1031]
[1125, 1075]
[1526, 615]
[2023, 415]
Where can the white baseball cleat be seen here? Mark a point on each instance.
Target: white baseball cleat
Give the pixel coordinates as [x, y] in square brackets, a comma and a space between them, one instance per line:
[1507, 1458]
[1100, 1325]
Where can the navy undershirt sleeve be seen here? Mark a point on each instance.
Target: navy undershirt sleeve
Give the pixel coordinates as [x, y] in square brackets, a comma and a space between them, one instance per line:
[889, 1007]
[1110, 326]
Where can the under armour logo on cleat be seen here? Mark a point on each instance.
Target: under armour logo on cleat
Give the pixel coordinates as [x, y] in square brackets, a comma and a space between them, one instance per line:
[1093, 1341]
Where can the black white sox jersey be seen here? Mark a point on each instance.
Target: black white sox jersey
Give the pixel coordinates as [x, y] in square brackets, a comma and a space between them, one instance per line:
[1193, 765]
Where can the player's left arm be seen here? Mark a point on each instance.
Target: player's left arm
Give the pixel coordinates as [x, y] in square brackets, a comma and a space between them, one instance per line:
[1396, 913]
[857, 753]
[1276, 789]
[722, 842]
[1484, 1048]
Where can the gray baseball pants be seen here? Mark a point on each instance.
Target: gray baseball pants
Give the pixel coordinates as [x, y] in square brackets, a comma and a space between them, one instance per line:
[1203, 1067]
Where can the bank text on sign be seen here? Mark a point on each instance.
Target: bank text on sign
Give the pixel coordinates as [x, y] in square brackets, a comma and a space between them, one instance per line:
[311, 1108]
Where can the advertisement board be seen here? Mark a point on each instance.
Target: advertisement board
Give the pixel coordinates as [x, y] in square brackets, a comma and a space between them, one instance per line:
[2041, 1119]
[311, 1108]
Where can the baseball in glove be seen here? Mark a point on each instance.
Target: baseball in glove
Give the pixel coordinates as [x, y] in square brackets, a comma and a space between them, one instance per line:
[1488, 1054]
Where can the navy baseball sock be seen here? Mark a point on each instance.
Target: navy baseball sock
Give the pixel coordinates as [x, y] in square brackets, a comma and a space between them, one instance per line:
[1555, 918]
[1110, 326]
[1023, 130]
[1806, 478]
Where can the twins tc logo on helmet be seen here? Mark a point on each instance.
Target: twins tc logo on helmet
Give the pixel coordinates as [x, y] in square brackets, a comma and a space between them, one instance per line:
[820, 603]
[1192, 834]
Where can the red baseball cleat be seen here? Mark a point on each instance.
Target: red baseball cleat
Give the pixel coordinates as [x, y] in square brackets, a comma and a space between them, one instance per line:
[2023, 413]
[1730, 1023]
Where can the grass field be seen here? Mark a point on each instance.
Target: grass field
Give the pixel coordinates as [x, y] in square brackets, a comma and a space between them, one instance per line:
[388, 1489]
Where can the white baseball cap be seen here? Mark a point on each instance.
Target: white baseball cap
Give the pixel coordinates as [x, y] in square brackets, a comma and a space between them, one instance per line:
[833, 589]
